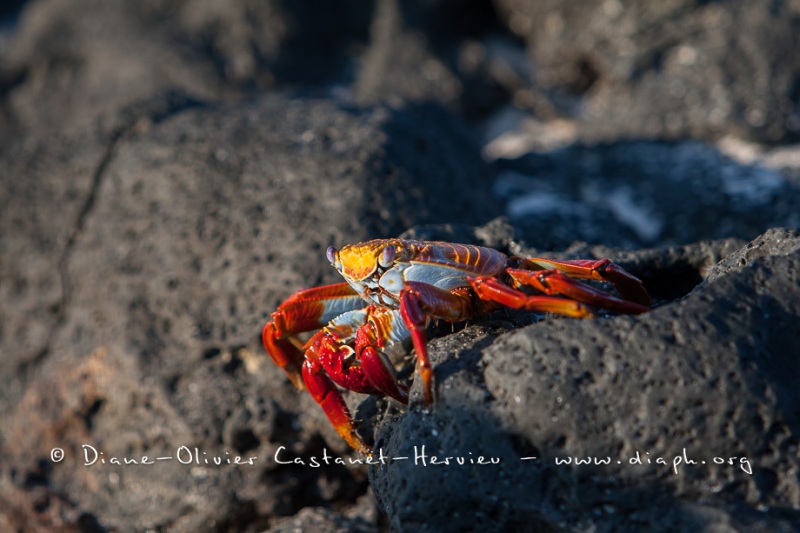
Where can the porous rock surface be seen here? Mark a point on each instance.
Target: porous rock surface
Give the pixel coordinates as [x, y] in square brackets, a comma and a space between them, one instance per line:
[171, 170]
[80, 62]
[637, 194]
[707, 377]
[197, 223]
[665, 69]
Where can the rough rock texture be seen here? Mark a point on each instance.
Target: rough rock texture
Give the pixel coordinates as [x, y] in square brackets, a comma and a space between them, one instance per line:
[636, 194]
[194, 226]
[79, 61]
[440, 50]
[707, 376]
[170, 170]
[666, 69]
[360, 519]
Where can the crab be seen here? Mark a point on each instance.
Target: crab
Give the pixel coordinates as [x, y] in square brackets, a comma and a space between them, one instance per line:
[394, 289]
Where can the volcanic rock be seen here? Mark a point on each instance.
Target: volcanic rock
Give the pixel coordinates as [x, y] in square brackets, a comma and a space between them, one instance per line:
[684, 417]
[684, 68]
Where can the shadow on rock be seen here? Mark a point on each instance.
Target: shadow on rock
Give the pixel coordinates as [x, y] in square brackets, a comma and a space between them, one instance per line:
[643, 193]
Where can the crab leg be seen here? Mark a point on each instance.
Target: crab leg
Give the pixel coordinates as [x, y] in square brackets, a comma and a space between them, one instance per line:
[305, 310]
[555, 282]
[629, 286]
[491, 289]
[326, 359]
[421, 301]
[327, 395]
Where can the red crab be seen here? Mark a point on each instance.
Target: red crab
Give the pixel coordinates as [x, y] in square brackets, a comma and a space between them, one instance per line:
[394, 288]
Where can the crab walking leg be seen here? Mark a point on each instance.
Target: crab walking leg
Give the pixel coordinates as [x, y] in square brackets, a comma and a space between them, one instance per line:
[491, 289]
[629, 286]
[421, 301]
[329, 362]
[305, 310]
[555, 282]
[283, 352]
[325, 393]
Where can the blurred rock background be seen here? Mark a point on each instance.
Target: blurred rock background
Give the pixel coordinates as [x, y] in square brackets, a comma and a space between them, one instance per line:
[171, 170]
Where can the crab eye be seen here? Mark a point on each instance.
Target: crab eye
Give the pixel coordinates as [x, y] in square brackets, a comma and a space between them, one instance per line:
[330, 253]
[387, 256]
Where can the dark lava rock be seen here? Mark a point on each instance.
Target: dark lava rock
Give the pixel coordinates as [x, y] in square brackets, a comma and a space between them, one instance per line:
[710, 378]
[683, 68]
[80, 61]
[363, 518]
[172, 245]
[440, 50]
[156, 205]
[636, 194]
[399, 63]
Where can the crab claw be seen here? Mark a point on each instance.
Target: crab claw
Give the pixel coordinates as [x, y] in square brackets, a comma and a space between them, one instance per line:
[328, 396]
[305, 310]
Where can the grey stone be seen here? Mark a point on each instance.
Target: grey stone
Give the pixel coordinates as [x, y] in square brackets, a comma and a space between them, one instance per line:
[644, 193]
[362, 518]
[173, 245]
[79, 62]
[683, 68]
[159, 197]
[710, 375]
